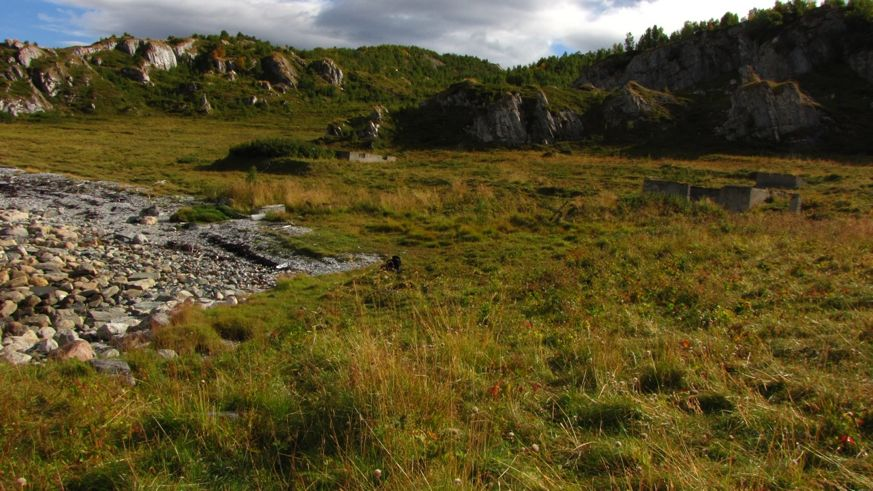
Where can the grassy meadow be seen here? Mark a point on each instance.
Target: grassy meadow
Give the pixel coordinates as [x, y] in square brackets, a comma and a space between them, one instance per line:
[552, 328]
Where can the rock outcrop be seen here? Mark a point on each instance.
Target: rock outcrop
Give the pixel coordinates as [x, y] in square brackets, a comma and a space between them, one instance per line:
[278, 70]
[329, 71]
[137, 74]
[98, 47]
[129, 45]
[186, 49]
[28, 53]
[205, 107]
[812, 41]
[862, 64]
[568, 126]
[632, 105]
[160, 55]
[50, 79]
[18, 105]
[506, 118]
[772, 112]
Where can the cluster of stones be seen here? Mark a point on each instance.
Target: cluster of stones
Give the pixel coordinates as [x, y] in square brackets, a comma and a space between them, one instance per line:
[89, 269]
[66, 293]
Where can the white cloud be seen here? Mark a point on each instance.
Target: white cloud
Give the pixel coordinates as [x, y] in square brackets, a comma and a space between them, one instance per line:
[509, 32]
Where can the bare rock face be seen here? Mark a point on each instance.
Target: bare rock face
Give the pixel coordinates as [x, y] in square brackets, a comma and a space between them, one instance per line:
[278, 70]
[329, 71]
[139, 74]
[98, 47]
[185, 49]
[633, 105]
[28, 53]
[813, 41]
[160, 55]
[15, 72]
[205, 106]
[568, 126]
[502, 122]
[773, 112]
[509, 118]
[49, 80]
[129, 45]
[16, 106]
[862, 64]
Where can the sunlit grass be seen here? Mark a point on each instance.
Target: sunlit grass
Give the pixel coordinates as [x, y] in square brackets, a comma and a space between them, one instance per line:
[552, 329]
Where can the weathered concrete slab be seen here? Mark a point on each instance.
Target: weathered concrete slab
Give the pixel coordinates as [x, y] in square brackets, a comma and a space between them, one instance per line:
[796, 204]
[364, 157]
[668, 188]
[766, 180]
[742, 198]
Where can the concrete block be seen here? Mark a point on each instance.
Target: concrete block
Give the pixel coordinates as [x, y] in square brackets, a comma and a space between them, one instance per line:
[766, 180]
[667, 188]
[364, 157]
[796, 204]
[742, 198]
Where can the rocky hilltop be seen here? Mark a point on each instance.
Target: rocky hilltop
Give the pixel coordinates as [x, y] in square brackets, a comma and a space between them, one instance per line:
[229, 75]
[785, 78]
[776, 52]
[792, 81]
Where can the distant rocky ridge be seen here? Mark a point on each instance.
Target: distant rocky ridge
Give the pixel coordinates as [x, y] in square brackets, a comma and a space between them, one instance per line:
[88, 269]
[813, 86]
[33, 76]
[812, 42]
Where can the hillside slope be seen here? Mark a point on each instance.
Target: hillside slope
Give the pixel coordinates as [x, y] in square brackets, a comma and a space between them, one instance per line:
[795, 77]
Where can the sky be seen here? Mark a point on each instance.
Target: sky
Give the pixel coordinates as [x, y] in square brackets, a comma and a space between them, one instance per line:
[508, 32]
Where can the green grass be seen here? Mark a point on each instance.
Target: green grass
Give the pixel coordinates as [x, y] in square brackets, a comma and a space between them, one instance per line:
[553, 328]
[204, 214]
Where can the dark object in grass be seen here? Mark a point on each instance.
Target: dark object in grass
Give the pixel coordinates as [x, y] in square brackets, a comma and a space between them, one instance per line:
[393, 264]
[713, 403]
[661, 377]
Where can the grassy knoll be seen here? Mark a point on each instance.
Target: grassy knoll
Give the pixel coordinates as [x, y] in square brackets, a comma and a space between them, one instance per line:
[552, 329]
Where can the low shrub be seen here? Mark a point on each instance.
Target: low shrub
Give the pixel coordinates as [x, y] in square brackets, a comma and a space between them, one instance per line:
[280, 147]
[204, 214]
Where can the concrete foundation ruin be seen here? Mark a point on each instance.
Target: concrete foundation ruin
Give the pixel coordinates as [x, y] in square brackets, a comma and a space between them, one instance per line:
[779, 181]
[733, 198]
[364, 157]
[667, 188]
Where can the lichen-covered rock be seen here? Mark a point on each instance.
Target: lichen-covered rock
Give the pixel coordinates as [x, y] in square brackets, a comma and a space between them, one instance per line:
[160, 55]
[278, 70]
[772, 112]
[329, 71]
